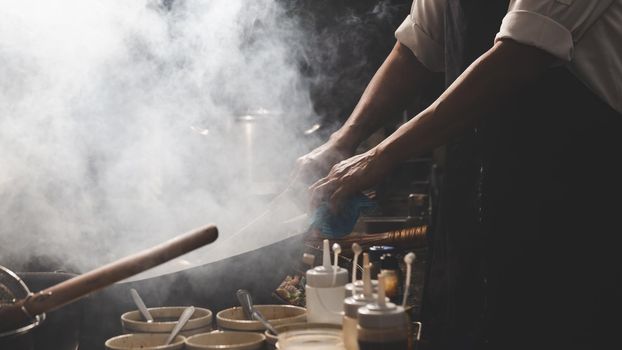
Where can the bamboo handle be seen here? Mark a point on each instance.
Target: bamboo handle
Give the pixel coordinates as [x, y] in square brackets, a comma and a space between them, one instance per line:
[14, 315]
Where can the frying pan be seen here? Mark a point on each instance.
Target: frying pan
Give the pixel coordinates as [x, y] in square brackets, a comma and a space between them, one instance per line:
[27, 310]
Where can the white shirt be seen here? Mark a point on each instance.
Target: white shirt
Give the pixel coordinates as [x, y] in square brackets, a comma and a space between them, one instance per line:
[585, 35]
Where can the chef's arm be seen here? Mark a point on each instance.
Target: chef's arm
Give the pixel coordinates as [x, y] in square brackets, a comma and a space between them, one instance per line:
[396, 83]
[491, 80]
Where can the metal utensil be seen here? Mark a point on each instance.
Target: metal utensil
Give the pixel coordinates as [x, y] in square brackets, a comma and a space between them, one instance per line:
[141, 305]
[259, 317]
[246, 301]
[185, 316]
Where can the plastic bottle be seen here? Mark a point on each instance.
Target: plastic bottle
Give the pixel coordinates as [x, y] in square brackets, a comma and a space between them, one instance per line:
[356, 287]
[325, 290]
[382, 325]
[351, 306]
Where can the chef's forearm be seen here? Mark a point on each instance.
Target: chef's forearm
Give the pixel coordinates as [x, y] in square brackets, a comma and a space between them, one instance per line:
[399, 80]
[483, 88]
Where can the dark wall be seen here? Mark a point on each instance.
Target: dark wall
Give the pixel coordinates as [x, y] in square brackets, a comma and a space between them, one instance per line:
[345, 43]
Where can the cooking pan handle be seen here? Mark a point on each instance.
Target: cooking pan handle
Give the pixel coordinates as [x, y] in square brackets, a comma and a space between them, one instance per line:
[14, 315]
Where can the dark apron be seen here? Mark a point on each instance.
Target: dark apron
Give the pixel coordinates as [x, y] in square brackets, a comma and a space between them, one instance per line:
[527, 253]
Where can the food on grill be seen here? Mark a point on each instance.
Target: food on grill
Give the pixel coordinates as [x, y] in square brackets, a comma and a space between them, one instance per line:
[291, 290]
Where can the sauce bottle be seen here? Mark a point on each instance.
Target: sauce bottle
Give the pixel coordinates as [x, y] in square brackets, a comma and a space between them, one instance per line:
[325, 290]
[356, 287]
[351, 306]
[382, 325]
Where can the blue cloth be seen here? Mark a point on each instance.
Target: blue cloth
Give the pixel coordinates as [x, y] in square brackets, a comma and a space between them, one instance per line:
[342, 223]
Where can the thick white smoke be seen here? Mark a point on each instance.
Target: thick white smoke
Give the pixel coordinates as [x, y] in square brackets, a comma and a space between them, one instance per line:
[119, 121]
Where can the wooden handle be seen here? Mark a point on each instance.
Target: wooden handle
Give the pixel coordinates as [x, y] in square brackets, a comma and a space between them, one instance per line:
[14, 315]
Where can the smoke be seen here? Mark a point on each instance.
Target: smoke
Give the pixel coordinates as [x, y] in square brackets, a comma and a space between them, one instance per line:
[122, 123]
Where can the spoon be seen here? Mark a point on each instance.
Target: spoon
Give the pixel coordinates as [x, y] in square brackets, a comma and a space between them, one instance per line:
[185, 316]
[246, 301]
[141, 305]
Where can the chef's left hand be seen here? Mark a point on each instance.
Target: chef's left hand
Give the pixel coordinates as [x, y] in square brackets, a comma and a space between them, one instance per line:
[349, 177]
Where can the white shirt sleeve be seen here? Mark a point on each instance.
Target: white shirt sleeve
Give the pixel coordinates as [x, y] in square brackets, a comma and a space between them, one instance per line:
[554, 26]
[423, 33]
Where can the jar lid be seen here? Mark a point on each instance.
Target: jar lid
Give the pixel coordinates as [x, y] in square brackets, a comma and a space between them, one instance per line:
[323, 277]
[357, 287]
[382, 316]
[351, 305]
[376, 251]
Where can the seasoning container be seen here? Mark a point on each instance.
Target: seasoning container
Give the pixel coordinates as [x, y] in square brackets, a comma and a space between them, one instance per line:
[389, 267]
[319, 337]
[375, 254]
[325, 290]
[351, 306]
[356, 287]
[383, 325]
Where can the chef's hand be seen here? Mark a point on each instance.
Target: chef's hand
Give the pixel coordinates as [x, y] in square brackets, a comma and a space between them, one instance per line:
[349, 177]
[316, 164]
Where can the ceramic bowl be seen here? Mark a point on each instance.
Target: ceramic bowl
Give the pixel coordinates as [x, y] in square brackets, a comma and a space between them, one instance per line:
[226, 340]
[233, 318]
[272, 339]
[313, 337]
[165, 319]
[144, 341]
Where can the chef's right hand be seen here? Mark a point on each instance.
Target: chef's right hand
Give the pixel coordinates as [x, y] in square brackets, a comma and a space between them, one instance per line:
[316, 164]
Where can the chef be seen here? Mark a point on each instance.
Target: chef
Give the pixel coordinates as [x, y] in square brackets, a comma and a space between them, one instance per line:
[527, 253]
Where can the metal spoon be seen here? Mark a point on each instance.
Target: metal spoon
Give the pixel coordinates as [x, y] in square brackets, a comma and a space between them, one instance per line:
[141, 305]
[246, 301]
[185, 316]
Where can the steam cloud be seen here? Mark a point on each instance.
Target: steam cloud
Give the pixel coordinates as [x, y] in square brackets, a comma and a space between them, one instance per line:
[119, 128]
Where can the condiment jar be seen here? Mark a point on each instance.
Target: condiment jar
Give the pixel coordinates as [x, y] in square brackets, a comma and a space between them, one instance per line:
[325, 291]
[389, 267]
[382, 325]
[351, 306]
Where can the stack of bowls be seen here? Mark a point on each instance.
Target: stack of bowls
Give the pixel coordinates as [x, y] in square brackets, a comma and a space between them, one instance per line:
[165, 319]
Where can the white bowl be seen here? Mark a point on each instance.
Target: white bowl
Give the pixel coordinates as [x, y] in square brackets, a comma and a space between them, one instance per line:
[144, 341]
[271, 339]
[226, 340]
[165, 319]
[234, 319]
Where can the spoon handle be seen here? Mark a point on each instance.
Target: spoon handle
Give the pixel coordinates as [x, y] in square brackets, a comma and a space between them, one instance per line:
[141, 305]
[246, 302]
[258, 316]
[185, 316]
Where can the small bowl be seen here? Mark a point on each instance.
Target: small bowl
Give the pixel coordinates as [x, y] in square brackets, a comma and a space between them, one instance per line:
[272, 339]
[311, 338]
[233, 318]
[226, 340]
[165, 319]
[144, 341]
